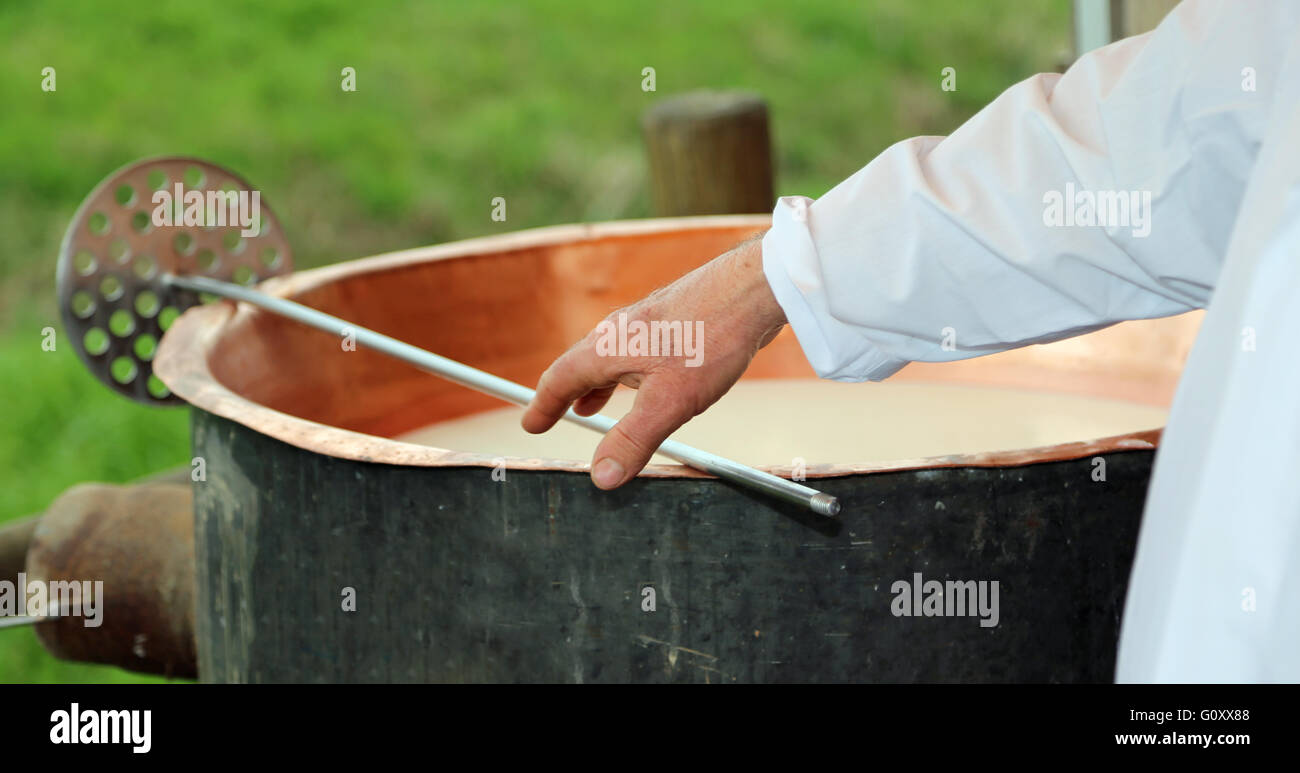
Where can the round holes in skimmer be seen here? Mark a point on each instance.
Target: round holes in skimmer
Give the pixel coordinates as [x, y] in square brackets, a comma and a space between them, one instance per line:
[194, 177]
[145, 267]
[83, 304]
[113, 298]
[157, 388]
[167, 316]
[111, 288]
[145, 346]
[95, 342]
[207, 260]
[232, 242]
[121, 323]
[146, 304]
[99, 224]
[269, 257]
[124, 369]
[84, 262]
[119, 250]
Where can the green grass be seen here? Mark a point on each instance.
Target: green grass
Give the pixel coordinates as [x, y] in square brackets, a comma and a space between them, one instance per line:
[456, 103]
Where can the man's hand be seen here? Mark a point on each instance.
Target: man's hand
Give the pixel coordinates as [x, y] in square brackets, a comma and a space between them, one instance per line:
[730, 296]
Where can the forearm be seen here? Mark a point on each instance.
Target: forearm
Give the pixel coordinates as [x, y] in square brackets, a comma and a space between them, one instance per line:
[744, 268]
[943, 248]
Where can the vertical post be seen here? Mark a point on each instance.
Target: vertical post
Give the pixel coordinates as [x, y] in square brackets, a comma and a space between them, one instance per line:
[1091, 25]
[710, 153]
[1133, 17]
[15, 538]
[1098, 22]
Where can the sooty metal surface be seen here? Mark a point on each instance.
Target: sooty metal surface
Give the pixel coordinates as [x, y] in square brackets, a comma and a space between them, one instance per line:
[540, 577]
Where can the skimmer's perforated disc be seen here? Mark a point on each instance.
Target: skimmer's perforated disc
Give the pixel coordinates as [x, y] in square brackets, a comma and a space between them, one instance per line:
[130, 234]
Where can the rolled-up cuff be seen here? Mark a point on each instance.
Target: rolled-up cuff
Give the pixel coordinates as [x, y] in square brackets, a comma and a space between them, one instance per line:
[835, 350]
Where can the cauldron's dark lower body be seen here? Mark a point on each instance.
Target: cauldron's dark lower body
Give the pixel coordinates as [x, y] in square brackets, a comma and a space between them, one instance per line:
[540, 577]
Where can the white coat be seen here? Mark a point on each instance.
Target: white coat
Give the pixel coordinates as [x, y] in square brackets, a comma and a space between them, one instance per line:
[1197, 122]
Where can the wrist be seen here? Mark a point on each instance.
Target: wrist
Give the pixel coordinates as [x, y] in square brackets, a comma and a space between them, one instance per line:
[756, 293]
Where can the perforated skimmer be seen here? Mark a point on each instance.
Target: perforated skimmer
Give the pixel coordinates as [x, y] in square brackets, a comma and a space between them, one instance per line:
[114, 295]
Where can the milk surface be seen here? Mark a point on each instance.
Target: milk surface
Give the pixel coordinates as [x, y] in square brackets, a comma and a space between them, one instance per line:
[776, 422]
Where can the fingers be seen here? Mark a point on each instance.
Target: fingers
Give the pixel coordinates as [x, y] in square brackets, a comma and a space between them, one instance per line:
[577, 373]
[593, 401]
[657, 412]
[586, 381]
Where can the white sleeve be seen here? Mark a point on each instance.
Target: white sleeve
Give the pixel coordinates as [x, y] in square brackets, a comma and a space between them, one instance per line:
[945, 248]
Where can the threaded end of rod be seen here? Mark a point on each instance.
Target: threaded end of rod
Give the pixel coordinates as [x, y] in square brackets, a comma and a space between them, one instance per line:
[825, 504]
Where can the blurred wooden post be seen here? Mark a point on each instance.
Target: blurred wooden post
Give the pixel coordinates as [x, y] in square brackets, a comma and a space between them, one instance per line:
[710, 153]
[1098, 22]
[1133, 17]
[15, 538]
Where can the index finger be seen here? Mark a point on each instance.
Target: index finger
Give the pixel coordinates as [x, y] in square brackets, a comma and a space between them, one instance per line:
[577, 372]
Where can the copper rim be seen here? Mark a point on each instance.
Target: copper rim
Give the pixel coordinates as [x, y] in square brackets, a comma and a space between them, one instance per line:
[194, 359]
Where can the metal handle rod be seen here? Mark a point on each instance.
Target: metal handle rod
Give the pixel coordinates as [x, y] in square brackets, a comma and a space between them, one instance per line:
[817, 501]
[13, 621]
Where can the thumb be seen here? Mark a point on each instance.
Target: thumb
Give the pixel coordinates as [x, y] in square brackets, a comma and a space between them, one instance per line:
[656, 413]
